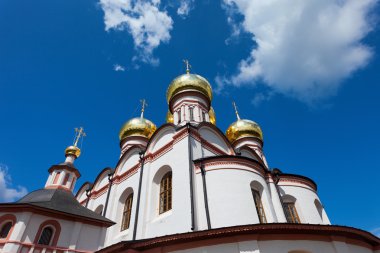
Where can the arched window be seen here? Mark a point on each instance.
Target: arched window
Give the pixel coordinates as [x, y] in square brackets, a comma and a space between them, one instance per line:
[127, 212]
[319, 207]
[5, 228]
[166, 192]
[46, 235]
[259, 205]
[289, 204]
[203, 116]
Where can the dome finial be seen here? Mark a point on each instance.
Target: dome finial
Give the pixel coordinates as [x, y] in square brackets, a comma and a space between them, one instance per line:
[236, 110]
[74, 150]
[143, 105]
[188, 66]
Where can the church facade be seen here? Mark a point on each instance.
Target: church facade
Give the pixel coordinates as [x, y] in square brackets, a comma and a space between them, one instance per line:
[183, 187]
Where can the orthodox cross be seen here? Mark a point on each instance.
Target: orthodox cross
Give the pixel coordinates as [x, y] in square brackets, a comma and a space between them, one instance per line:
[236, 110]
[79, 132]
[188, 66]
[143, 105]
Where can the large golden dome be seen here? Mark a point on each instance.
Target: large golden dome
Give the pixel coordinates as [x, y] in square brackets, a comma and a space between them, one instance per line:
[243, 128]
[189, 82]
[137, 127]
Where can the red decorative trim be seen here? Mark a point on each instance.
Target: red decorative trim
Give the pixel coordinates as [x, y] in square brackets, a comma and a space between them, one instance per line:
[188, 102]
[260, 232]
[57, 231]
[58, 187]
[3, 219]
[231, 161]
[296, 179]
[64, 167]
[40, 247]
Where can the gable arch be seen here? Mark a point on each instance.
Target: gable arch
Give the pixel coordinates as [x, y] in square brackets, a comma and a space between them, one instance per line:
[81, 193]
[161, 137]
[102, 179]
[128, 160]
[214, 136]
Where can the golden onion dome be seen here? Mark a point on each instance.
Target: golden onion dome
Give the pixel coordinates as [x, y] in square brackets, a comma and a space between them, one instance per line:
[211, 114]
[72, 150]
[169, 117]
[243, 128]
[189, 82]
[137, 127]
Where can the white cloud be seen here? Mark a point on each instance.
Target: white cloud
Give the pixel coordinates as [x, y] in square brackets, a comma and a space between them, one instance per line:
[143, 19]
[304, 48]
[118, 67]
[185, 7]
[7, 192]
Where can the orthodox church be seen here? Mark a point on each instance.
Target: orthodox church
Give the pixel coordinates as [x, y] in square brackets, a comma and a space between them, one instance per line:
[183, 187]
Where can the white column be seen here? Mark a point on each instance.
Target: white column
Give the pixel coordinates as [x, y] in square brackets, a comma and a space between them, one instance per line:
[276, 201]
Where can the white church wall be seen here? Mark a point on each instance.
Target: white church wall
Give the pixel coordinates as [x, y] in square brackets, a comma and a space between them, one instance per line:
[230, 198]
[176, 220]
[90, 238]
[119, 194]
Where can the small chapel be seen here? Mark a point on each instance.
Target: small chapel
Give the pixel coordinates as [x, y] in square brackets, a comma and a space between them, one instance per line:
[182, 187]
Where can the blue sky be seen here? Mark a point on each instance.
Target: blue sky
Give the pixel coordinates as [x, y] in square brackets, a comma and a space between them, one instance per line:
[306, 71]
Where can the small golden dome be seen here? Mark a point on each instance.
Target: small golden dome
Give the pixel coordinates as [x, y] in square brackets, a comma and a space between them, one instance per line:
[243, 128]
[189, 82]
[169, 117]
[211, 114]
[72, 150]
[137, 127]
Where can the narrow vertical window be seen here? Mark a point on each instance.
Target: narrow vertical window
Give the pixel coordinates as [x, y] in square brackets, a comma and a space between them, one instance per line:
[46, 236]
[166, 193]
[56, 177]
[203, 116]
[127, 212]
[179, 116]
[5, 230]
[191, 110]
[259, 206]
[66, 179]
[291, 213]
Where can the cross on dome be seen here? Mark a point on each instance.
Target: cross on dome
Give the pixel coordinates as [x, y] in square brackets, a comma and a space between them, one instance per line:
[143, 105]
[79, 132]
[236, 110]
[188, 66]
